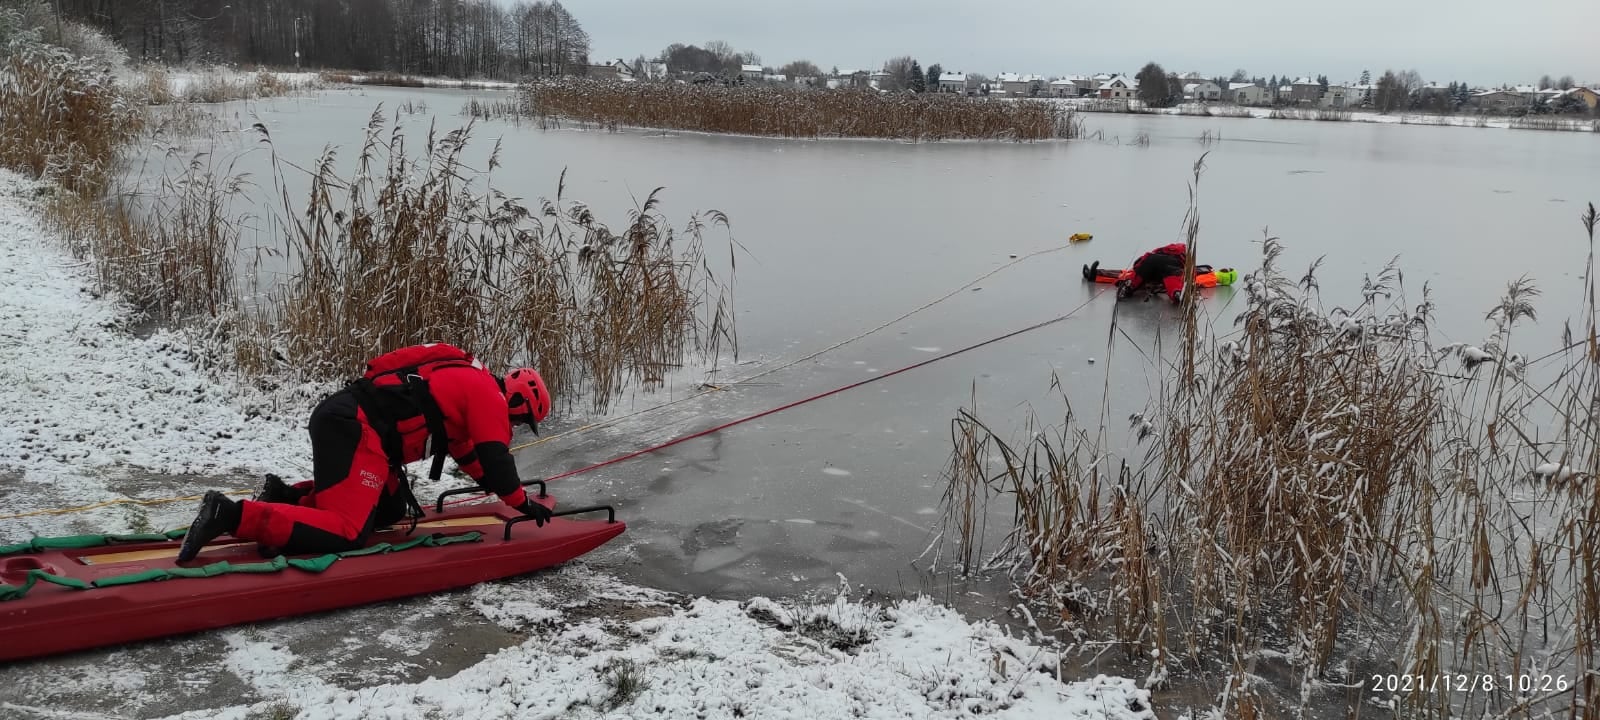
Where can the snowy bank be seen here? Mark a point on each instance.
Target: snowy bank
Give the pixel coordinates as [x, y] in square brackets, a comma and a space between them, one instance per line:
[701, 658]
[87, 403]
[1221, 110]
[96, 412]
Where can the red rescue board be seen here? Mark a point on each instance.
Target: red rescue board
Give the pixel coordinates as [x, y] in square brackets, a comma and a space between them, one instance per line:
[52, 619]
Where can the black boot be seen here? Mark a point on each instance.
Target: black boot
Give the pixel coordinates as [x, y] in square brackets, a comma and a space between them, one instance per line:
[218, 515]
[275, 490]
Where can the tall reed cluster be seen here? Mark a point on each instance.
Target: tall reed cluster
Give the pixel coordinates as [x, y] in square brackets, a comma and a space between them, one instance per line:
[795, 112]
[62, 118]
[173, 255]
[413, 247]
[1328, 489]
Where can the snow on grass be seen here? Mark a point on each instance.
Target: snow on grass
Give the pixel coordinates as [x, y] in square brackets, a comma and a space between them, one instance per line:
[84, 399]
[515, 609]
[720, 658]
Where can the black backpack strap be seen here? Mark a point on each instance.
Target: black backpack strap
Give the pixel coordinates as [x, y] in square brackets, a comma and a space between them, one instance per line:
[382, 422]
[434, 417]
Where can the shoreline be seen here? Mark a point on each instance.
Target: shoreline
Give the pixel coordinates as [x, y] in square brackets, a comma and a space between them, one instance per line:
[570, 641]
[1188, 110]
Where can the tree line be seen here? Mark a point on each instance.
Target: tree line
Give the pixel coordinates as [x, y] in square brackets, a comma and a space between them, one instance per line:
[451, 38]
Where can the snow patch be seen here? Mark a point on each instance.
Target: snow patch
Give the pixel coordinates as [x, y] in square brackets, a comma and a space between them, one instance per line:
[515, 608]
[836, 472]
[1554, 471]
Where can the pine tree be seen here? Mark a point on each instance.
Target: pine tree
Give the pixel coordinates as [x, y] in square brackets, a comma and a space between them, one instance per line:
[918, 82]
[932, 77]
[1366, 77]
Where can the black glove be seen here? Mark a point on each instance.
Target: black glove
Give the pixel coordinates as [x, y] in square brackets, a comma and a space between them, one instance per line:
[532, 508]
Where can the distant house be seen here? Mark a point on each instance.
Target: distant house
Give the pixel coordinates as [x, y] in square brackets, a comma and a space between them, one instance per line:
[1021, 85]
[1202, 92]
[1587, 96]
[1305, 90]
[1337, 96]
[751, 72]
[1499, 100]
[849, 79]
[1359, 95]
[878, 80]
[1117, 88]
[1247, 94]
[1063, 88]
[1085, 85]
[953, 82]
[614, 70]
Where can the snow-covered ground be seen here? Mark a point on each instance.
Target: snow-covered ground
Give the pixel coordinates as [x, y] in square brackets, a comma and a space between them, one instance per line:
[92, 408]
[447, 83]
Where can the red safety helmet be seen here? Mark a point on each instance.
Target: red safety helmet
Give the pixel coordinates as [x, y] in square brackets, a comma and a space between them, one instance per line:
[527, 397]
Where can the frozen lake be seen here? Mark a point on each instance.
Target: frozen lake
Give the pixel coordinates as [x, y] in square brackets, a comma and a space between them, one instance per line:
[844, 235]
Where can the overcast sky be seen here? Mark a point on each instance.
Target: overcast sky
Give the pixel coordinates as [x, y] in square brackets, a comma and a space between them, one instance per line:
[1484, 42]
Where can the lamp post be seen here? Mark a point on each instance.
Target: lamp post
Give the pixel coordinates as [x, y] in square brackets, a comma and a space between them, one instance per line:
[297, 43]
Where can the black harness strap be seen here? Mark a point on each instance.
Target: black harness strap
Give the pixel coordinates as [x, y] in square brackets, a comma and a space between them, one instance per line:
[381, 411]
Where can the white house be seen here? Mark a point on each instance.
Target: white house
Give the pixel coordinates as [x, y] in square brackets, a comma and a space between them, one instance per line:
[1063, 88]
[1117, 88]
[1358, 95]
[1202, 92]
[953, 82]
[1020, 85]
[1084, 83]
[1337, 96]
[614, 70]
[751, 72]
[1247, 94]
[878, 80]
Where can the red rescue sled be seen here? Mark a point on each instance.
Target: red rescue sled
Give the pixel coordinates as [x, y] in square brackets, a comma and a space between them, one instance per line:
[1204, 275]
[52, 619]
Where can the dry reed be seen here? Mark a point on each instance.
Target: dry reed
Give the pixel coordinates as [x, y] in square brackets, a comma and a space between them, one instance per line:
[1319, 482]
[775, 110]
[419, 248]
[173, 256]
[63, 119]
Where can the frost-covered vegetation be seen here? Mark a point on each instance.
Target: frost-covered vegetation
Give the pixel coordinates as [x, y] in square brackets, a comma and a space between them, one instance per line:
[452, 257]
[1329, 492]
[792, 111]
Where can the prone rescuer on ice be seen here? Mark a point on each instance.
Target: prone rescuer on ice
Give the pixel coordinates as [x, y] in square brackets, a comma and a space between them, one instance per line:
[1157, 271]
[412, 402]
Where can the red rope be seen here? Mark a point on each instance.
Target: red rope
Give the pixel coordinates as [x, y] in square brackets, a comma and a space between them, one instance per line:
[799, 402]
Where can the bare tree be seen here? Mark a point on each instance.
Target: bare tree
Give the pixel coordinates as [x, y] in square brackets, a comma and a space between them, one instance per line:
[1390, 94]
[800, 69]
[899, 70]
[1565, 83]
[1545, 82]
